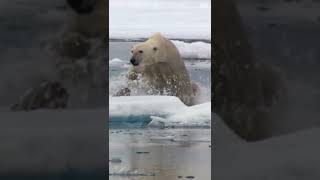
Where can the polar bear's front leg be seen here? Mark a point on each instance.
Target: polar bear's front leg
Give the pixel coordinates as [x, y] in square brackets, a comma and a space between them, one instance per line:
[132, 75]
[123, 92]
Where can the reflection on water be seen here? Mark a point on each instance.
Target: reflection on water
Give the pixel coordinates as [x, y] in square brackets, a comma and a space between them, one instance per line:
[159, 154]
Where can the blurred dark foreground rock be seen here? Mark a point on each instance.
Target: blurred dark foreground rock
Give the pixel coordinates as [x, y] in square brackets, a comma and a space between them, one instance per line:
[63, 144]
[246, 90]
[50, 95]
[79, 53]
[76, 58]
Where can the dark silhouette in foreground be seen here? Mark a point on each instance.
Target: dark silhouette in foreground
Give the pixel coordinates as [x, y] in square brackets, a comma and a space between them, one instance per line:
[51, 95]
[244, 89]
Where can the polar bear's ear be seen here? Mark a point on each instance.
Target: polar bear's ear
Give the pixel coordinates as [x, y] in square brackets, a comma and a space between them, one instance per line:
[155, 48]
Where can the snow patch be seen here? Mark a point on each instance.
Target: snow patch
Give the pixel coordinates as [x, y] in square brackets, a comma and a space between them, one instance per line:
[194, 50]
[118, 63]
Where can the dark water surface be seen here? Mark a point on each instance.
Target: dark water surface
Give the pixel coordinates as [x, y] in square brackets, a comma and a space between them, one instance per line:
[159, 154]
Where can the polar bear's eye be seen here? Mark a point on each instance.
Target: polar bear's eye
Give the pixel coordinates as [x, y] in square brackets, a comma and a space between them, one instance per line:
[155, 48]
[140, 51]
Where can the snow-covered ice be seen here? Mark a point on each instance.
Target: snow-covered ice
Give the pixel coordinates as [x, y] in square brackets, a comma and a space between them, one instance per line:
[174, 19]
[141, 105]
[194, 116]
[118, 63]
[162, 111]
[193, 50]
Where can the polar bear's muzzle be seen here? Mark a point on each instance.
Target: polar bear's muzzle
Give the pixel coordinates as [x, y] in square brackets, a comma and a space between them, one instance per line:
[134, 61]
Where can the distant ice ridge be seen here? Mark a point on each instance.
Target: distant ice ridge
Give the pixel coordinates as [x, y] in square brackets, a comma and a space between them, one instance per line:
[161, 111]
[174, 19]
[194, 50]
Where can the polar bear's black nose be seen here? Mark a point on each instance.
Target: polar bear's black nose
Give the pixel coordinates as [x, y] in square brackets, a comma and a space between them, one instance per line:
[133, 62]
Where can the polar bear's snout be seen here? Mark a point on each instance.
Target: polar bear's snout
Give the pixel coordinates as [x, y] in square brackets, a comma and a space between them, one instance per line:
[134, 61]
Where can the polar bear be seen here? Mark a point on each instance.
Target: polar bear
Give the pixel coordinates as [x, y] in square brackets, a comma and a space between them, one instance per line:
[161, 68]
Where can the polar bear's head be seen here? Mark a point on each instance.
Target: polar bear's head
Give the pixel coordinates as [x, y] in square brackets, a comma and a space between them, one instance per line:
[143, 53]
[156, 49]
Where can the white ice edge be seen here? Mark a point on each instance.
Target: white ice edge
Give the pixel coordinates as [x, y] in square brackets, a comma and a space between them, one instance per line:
[144, 105]
[194, 50]
[163, 110]
[118, 63]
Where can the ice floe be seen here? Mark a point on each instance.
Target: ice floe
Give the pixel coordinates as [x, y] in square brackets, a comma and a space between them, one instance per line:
[158, 111]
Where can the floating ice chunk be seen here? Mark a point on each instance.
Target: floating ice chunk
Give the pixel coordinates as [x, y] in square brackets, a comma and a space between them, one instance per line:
[194, 50]
[118, 63]
[158, 111]
[193, 116]
[144, 105]
[157, 122]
